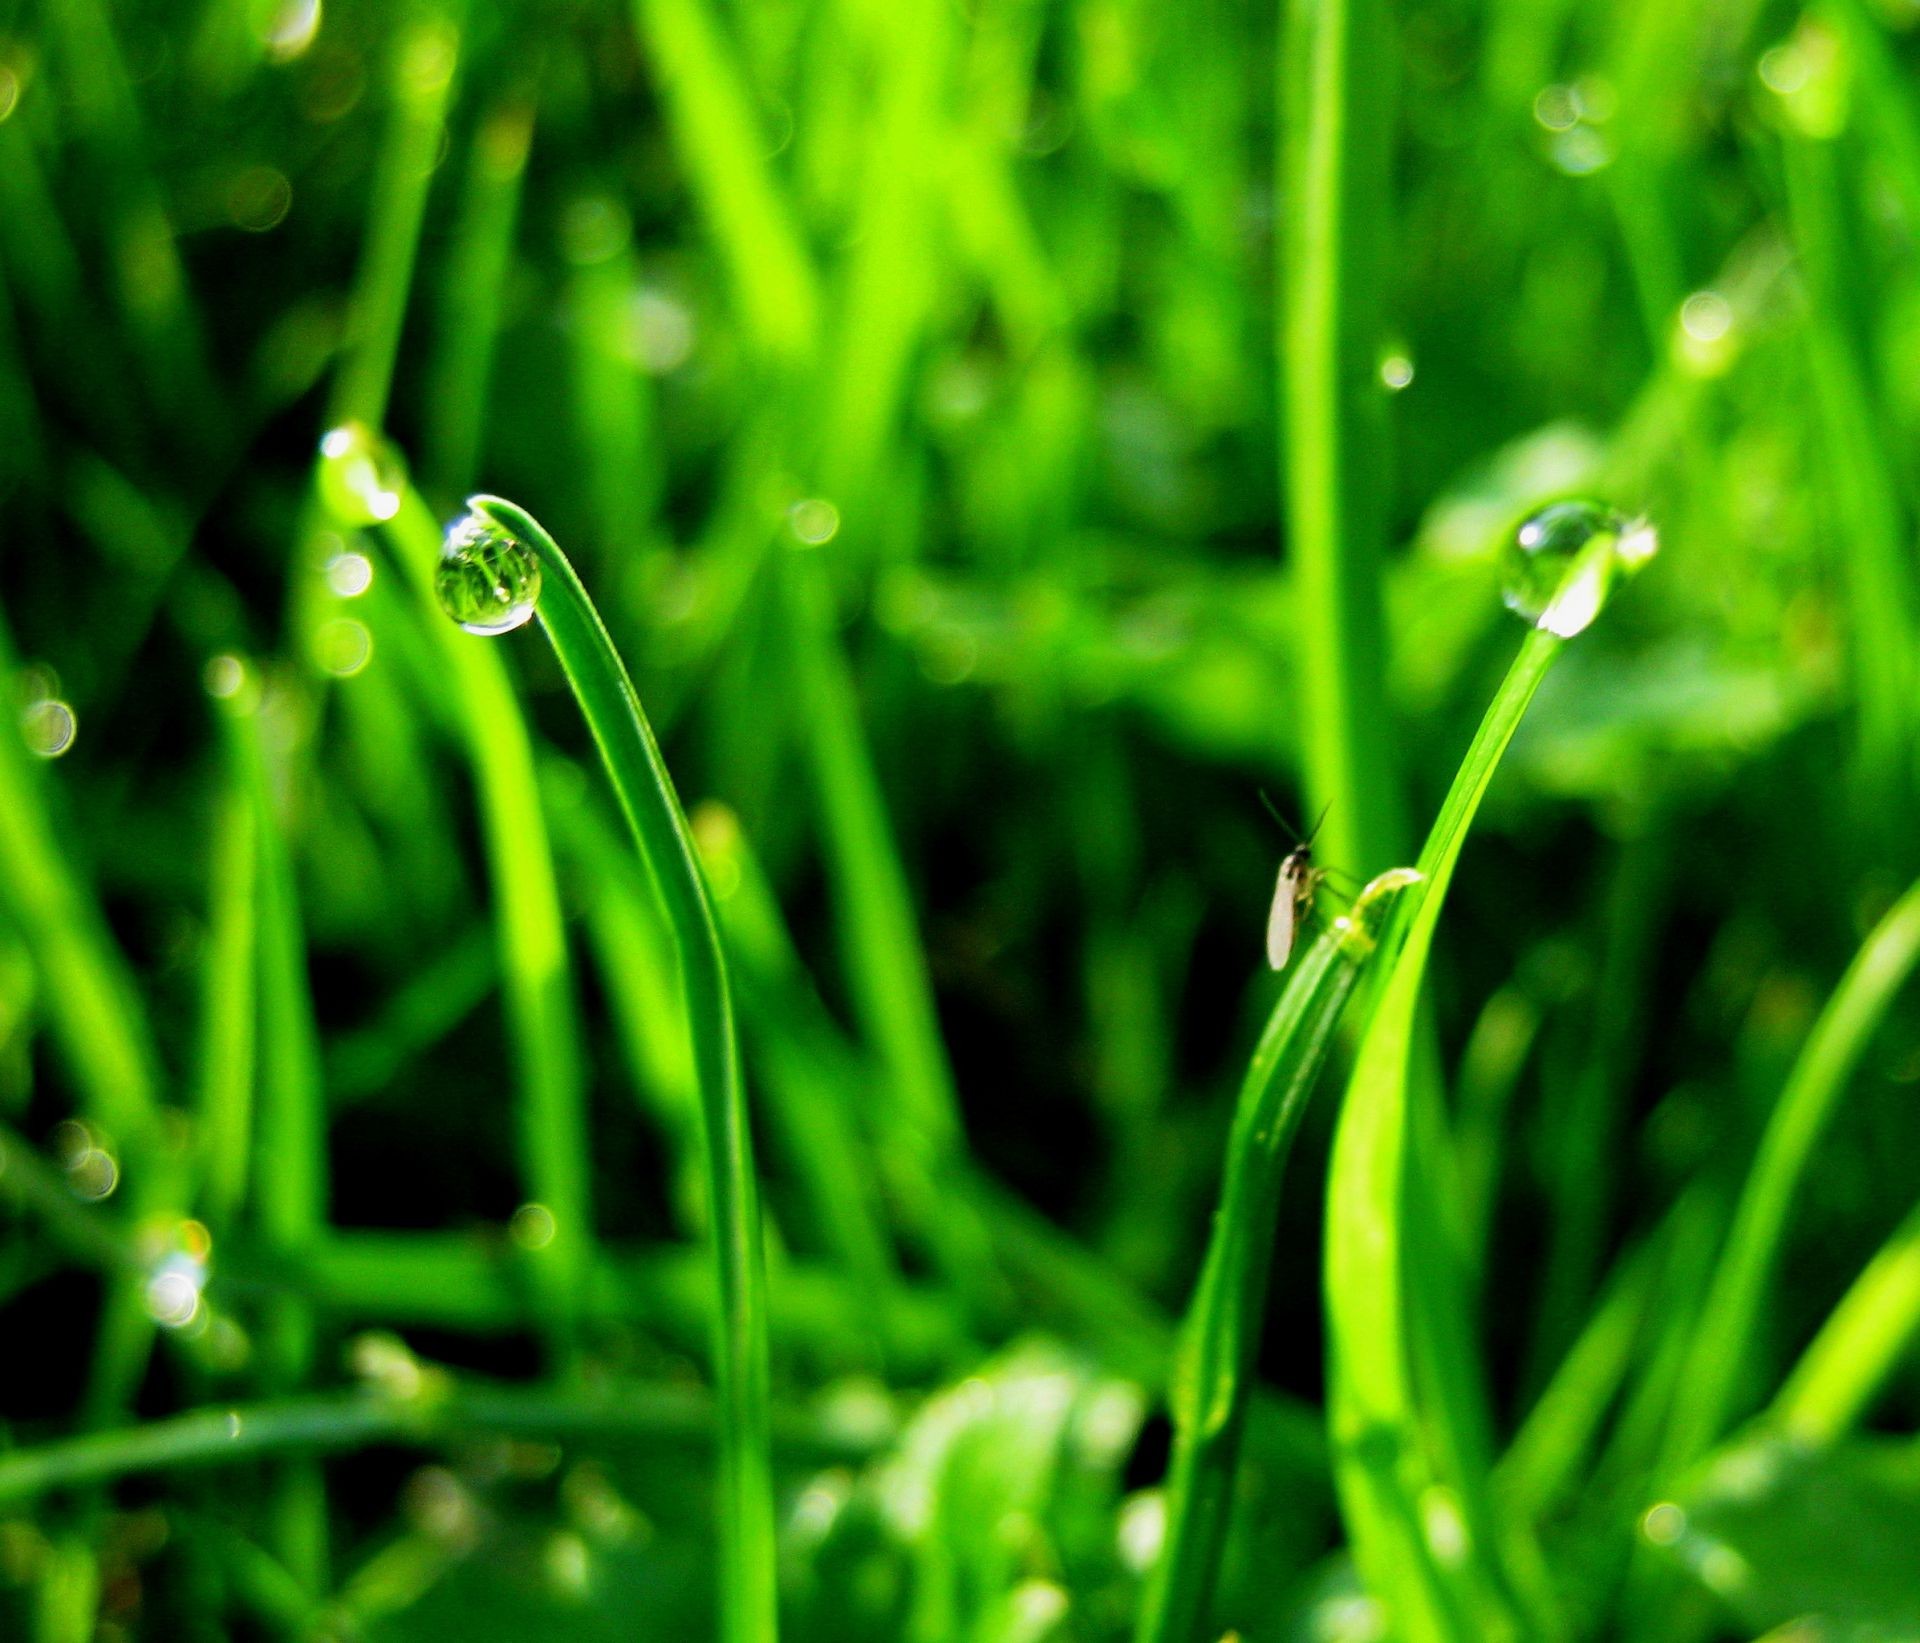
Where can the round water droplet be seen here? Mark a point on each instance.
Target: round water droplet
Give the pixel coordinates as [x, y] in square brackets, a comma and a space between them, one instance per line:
[49, 727]
[361, 476]
[488, 578]
[1564, 559]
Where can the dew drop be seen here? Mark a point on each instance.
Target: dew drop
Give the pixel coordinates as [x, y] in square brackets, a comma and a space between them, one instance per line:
[1564, 560]
[173, 1291]
[343, 646]
[49, 727]
[533, 1226]
[361, 475]
[814, 520]
[488, 578]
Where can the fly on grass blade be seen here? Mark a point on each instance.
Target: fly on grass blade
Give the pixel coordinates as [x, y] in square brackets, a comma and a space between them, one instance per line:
[1292, 894]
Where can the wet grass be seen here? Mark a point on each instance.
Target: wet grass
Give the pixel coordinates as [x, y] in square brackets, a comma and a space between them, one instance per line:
[450, 1190]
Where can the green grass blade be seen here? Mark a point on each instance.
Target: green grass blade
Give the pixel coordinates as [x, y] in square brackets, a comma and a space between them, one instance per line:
[1214, 1372]
[719, 141]
[885, 963]
[1862, 1343]
[471, 296]
[1423, 1528]
[1873, 545]
[652, 808]
[336, 1421]
[91, 1000]
[551, 1117]
[420, 82]
[228, 1028]
[1335, 72]
[1721, 1345]
[810, 1091]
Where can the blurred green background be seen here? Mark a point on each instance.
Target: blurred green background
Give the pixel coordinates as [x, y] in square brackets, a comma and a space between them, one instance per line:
[1004, 439]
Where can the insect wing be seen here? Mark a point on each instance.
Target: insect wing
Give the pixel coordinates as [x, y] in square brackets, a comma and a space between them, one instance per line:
[1284, 917]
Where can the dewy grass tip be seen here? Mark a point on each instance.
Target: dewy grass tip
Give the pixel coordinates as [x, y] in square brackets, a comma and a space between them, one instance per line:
[497, 560]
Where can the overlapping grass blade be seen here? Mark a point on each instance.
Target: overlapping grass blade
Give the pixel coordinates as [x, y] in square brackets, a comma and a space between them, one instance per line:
[551, 1117]
[1709, 1389]
[652, 809]
[1425, 1532]
[1214, 1368]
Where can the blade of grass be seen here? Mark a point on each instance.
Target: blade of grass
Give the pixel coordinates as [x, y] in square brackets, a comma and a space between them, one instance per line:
[1864, 489]
[92, 1003]
[1864, 1340]
[551, 1116]
[477, 265]
[634, 948]
[290, 1162]
[228, 1027]
[885, 963]
[337, 1421]
[719, 142]
[420, 84]
[1722, 1342]
[460, 1282]
[1336, 127]
[1425, 1533]
[809, 1098]
[1214, 1371]
[652, 808]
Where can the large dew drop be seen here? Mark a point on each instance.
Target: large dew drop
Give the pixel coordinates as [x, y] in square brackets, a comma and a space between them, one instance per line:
[488, 578]
[1563, 562]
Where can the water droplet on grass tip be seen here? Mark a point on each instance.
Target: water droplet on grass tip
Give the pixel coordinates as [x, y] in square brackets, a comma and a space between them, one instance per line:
[1563, 561]
[488, 578]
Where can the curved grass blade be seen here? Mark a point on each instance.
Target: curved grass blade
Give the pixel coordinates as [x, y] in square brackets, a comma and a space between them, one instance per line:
[652, 808]
[1807, 1102]
[535, 977]
[1413, 1485]
[1213, 1377]
[1859, 1347]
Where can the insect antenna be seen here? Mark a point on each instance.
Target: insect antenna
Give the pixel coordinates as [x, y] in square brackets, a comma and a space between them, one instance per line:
[1279, 820]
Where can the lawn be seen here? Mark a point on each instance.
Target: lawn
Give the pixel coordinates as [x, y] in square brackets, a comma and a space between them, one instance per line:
[1039, 821]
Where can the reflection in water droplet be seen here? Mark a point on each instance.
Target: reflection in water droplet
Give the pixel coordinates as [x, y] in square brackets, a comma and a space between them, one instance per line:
[361, 475]
[488, 580]
[1142, 1530]
[532, 1226]
[343, 646]
[294, 25]
[1581, 151]
[1664, 1523]
[1563, 561]
[49, 727]
[1555, 109]
[1706, 316]
[593, 229]
[226, 677]
[814, 521]
[659, 330]
[258, 198]
[387, 1363]
[173, 1291]
[1396, 372]
[349, 574]
[92, 1170]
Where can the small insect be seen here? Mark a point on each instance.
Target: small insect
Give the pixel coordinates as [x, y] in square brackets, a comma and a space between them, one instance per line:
[1293, 894]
